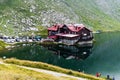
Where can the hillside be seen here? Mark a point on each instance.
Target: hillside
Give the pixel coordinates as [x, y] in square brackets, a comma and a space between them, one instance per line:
[27, 16]
[50, 69]
[13, 72]
[3, 45]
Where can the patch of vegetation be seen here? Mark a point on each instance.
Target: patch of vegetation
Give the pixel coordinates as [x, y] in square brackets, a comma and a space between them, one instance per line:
[2, 45]
[46, 66]
[42, 31]
[18, 16]
[12, 72]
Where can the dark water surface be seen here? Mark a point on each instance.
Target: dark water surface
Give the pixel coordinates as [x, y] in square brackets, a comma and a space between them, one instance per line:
[103, 57]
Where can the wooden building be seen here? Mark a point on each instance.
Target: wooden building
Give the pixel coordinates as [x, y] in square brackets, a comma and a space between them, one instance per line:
[70, 34]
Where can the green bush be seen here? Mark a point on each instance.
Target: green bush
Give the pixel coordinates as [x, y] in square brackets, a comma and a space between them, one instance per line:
[70, 72]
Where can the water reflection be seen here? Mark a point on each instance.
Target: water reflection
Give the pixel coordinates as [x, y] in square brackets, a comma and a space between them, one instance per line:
[59, 55]
[70, 52]
[37, 52]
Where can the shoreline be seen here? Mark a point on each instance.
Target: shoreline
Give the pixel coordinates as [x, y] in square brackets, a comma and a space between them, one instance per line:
[97, 32]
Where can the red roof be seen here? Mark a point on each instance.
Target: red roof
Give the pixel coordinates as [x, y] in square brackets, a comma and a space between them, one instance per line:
[71, 27]
[82, 26]
[75, 28]
[60, 25]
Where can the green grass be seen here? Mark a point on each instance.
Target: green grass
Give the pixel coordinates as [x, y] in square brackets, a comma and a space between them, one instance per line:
[42, 31]
[3, 45]
[91, 15]
[51, 67]
[88, 12]
[12, 72]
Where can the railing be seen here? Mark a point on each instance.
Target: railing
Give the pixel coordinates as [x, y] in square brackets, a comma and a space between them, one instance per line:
[68, 42]
[86, 37]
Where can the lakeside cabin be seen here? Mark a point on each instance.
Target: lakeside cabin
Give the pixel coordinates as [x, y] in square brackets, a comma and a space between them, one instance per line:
[70, 34]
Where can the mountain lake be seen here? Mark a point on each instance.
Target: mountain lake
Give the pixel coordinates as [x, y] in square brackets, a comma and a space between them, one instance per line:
[102, 57]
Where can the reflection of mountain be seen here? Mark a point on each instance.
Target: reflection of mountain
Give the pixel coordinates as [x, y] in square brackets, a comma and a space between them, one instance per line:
[71, 52]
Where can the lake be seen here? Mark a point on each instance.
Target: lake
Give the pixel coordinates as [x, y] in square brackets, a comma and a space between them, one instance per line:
[102, 57]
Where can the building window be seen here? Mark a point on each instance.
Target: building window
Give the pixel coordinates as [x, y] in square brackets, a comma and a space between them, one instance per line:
[84, 34]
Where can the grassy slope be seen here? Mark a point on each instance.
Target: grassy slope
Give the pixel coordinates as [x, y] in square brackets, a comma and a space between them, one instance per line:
[91, 15]
[12, 72]
[2, 45]
[95, 14]
[50, 67]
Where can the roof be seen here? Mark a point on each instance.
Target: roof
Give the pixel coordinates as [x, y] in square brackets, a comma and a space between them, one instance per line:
[71, 27]
[75, 29]
[61, 25]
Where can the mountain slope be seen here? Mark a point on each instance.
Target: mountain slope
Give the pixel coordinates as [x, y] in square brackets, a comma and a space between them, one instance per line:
[18, 16]
[15, 72]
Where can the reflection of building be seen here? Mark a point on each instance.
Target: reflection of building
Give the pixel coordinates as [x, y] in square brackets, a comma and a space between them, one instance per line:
[71, 52]
[70, 34]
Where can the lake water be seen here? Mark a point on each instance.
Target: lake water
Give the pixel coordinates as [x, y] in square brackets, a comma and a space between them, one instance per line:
[103, 57]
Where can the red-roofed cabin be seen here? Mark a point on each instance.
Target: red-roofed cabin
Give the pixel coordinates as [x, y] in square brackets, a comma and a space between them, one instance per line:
[70, 33]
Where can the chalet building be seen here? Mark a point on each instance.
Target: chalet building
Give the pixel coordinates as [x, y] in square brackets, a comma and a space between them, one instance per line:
[70, 34]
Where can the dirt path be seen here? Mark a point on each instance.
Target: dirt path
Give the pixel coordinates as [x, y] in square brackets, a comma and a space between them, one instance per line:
[47, 72]
[52, 73]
